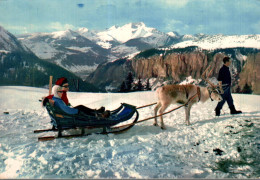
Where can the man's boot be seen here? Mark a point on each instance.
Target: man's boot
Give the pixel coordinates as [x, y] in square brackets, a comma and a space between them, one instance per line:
[233, 110]
[217, 110]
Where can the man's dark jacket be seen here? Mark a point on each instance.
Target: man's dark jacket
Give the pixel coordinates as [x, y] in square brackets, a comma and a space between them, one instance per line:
[224, 75]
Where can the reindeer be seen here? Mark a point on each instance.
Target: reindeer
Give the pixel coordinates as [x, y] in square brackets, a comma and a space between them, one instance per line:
[172, 94]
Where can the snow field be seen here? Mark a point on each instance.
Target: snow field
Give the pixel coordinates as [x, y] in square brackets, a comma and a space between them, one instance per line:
[145, 151]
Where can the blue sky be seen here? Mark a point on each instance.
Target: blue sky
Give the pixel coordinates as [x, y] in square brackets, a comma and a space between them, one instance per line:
[184, 16]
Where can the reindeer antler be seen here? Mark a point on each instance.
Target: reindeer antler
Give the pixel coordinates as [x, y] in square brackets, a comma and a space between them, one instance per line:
[206, 78]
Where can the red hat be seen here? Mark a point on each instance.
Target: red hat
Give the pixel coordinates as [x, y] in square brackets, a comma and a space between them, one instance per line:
[61, 81]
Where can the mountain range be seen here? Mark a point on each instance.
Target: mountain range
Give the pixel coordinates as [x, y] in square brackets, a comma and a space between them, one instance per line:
[20, 66]
[81, 51]
[84, 52]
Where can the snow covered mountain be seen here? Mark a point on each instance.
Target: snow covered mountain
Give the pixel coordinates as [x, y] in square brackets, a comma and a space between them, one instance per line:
[127, 32]
[211, 42]
[173, 34]
[20, 66]
[67, 49]
[83, 50]
[9, 43]
[129, 39]
[121, 35]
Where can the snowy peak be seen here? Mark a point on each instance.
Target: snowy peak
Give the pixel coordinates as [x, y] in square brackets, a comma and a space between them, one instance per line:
[57, 35]
[89, 34]
[9, 43]
[173, 34]
[126, 32]
[83, 30]
[68, 34]
[187, 37]
[120, 35]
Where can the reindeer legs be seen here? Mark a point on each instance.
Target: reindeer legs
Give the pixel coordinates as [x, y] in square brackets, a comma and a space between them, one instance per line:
[187, 113]
[155, 113]
[161, 110]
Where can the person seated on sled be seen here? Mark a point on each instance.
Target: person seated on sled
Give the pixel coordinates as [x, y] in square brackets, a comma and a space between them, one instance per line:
[64, 83]
[57, 90]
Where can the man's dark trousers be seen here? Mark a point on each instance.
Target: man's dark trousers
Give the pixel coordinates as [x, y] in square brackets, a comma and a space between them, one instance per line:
[226, 97]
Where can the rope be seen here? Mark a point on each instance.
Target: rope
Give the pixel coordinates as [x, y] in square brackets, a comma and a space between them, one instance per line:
[157, 115]
[146, 105]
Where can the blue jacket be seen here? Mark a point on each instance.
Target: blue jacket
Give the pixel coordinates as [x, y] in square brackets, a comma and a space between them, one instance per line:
[60, 103]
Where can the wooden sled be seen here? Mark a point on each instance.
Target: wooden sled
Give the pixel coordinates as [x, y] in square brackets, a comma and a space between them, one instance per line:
[62, 121]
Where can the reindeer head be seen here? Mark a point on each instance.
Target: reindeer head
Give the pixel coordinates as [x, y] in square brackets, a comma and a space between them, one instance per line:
[215, 91]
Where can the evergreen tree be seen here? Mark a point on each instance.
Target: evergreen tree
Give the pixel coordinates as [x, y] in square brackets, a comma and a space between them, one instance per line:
[123, 87]
[238, 90]
[148, 85]
[129, 81]
[139, 85]
[247, 89]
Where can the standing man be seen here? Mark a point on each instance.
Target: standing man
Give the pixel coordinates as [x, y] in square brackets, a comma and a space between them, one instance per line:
[224, 78]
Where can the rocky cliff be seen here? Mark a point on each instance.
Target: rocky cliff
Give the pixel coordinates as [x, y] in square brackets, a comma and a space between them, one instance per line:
[108, 76]
[176, 65]
[250, 75]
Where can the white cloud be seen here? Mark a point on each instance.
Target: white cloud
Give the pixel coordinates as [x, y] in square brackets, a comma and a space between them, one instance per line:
[54, 26]
[176, 25]
[15, 29]
[57, 26]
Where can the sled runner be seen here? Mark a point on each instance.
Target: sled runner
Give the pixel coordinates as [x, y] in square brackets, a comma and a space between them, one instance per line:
[63, 121]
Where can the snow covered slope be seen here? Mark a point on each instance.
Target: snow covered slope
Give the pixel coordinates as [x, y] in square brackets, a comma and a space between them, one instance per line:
[9, 43]
[224, 147]
[211, 42]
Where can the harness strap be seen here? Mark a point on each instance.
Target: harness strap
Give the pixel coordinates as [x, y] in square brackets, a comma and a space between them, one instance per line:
[210, 95]
[198, 92]
[187, 95]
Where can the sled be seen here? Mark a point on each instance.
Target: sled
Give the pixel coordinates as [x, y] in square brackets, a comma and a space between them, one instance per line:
[62, 121]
